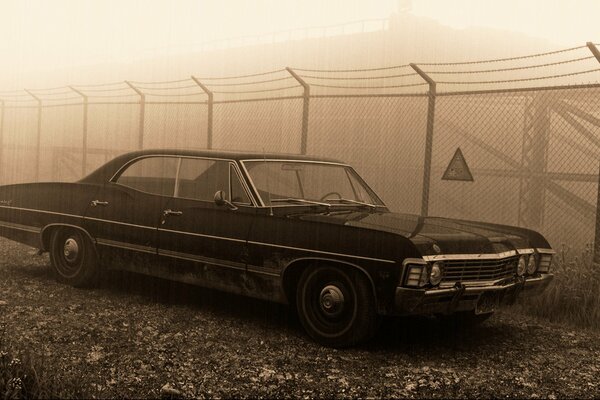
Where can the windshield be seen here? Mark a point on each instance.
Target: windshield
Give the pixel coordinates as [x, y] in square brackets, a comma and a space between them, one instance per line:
[293, 182]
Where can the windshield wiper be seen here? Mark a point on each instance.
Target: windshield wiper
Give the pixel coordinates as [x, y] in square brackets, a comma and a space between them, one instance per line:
[303, 201]
[360, 203]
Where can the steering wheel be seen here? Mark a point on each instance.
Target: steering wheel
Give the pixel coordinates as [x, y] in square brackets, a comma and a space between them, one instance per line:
[329, 194]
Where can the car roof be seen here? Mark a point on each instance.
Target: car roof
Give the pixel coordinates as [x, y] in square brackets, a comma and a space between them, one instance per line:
[108, 170]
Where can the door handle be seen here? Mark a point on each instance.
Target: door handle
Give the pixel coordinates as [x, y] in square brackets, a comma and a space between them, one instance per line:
[171, 212]
[96, 203]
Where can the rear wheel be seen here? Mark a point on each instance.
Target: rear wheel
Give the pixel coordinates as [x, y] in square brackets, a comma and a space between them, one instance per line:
[73, 257]
[336, 307]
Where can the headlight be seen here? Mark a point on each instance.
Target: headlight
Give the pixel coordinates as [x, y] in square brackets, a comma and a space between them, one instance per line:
[435, 276]
[532, 264]
[522, 265]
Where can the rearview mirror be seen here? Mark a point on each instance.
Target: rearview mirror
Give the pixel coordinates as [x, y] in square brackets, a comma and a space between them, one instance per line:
[221, 200]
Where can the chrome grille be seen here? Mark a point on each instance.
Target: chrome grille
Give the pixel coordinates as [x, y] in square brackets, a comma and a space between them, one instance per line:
[479, 270]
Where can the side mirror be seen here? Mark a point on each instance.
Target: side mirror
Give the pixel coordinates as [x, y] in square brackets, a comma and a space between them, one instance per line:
[221, 200]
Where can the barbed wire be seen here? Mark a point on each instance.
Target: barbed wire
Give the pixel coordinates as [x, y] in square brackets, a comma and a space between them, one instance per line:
[240, 76]
[175, 95]
[250, 83]
[518, 80]
[63, 98]
[106, 87]
[115, 95]
[159, 82]
[17, 94]
[102, 90]
[353, 70]
[372, 87]
[100, 84]
[259, 91]
[29, 100]
[36, 92]
[508, 58]
[50, 89]
[357, 77]
[167, 88]
[481, 71]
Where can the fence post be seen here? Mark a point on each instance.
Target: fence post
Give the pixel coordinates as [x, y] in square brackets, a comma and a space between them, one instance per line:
[209, 131]
[597, 236]
[428, 138]
[305, 108]
[1, 140]
[594, 50]
[39, 135]
[142, 114]
[85, 130]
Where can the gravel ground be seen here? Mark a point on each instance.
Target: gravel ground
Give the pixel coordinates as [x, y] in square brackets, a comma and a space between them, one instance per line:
[133, 335]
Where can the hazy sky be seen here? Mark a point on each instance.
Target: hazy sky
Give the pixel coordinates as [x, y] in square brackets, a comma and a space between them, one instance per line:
[40, 34]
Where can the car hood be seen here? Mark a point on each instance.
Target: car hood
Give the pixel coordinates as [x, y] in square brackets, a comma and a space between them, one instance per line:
[435, 235]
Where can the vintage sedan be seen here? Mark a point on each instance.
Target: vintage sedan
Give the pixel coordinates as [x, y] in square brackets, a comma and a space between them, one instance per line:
[292, 229]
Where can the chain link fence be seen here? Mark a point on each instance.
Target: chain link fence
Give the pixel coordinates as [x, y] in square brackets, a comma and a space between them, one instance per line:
[528, 128]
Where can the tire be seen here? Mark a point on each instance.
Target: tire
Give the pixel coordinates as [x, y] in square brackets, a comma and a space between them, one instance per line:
[336, 307]
[73, 257]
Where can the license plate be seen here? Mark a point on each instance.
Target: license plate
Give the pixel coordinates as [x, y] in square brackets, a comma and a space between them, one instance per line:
[488, 302]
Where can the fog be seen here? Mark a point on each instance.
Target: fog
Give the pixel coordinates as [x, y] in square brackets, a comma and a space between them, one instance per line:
[53, 43]
[381, 130]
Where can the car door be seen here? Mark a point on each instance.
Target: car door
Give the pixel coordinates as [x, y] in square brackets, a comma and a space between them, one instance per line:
[213, 239]
[125, 212]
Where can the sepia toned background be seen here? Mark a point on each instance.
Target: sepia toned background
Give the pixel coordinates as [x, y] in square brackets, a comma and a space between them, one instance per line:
[519, 100]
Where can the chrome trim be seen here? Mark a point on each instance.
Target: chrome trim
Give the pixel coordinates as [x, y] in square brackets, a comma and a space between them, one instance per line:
[119, 223]
[68, 225]
[262, 204]
[288, 160]
[472, 283]
[486, 287]
[180, 158]
[41, 211]
[126, 246]
[413, 261]
[321, 252]
[495, 256]
[244, 184]
[257, 270]
[21, 227]
[364, 271]
[360, 179]
[202, 235]
[131, 161]
[205, 260]
[526, 251]
[546, 251]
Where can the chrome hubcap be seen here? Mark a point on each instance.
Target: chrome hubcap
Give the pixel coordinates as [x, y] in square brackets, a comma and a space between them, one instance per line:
[331, 300]
[71, 250]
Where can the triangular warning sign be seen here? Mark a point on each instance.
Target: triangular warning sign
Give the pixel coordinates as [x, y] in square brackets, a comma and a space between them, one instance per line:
[458, 170]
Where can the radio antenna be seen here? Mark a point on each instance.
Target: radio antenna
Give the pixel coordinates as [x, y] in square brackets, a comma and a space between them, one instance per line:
[268, 186]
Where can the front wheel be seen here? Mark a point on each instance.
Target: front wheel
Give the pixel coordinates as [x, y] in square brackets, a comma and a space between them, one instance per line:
[73, 257]
[336, 307]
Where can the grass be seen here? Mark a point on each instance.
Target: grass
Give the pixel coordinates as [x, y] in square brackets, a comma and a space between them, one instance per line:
[574, 295]
[23, 375]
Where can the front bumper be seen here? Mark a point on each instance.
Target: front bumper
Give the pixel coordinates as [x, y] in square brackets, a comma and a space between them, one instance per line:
[465, 297]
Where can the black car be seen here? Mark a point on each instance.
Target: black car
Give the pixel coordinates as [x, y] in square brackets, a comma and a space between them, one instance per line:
[292, 229]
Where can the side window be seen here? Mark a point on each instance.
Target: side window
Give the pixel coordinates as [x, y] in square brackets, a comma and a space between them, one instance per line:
[238, 194]
[199, 179]
[154, 175]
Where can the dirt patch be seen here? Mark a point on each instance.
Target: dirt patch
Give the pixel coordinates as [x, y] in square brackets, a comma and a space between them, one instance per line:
[133, 336]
